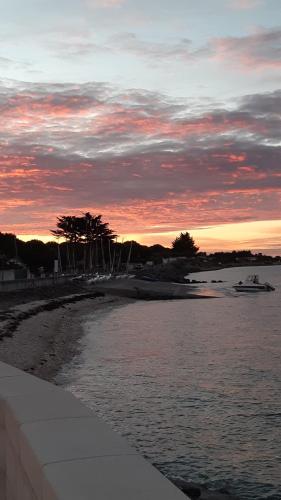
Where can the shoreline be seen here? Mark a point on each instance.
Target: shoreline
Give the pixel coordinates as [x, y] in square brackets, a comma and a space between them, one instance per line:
[40, 328]
[155, 290]
[41, 337]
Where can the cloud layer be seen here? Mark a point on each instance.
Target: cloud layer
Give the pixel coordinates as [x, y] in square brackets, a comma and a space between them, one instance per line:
[147, 162]
[256, 51]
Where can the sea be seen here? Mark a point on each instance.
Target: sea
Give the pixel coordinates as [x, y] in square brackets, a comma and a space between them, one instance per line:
[194, 385]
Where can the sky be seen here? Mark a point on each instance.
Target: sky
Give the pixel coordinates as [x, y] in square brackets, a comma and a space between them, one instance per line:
[161, 116]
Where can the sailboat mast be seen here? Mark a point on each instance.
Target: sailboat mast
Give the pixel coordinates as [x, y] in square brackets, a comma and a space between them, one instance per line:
[129, 258]
[109, 252]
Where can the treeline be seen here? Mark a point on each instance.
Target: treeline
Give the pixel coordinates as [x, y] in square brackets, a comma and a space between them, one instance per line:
[238, 256]
[37, 255]
[86, 243]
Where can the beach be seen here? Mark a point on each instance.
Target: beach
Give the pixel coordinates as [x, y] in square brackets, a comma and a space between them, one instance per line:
[184, 370]
[40, 328]
[40, 336]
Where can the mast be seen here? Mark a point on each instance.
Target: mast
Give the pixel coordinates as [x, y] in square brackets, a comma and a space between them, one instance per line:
[102, 254]
[119, 259]
[129, 258]
[16, 247]
[113, 261]
[109, 252]
[59, 258]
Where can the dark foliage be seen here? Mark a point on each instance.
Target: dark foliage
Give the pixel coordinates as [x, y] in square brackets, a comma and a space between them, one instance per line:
[90, 251]
[85, 229]
[184, 246]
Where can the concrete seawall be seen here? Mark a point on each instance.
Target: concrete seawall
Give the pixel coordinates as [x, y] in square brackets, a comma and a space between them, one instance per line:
[54, 448]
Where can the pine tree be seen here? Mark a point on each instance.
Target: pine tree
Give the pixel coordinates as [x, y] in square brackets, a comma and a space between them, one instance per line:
[184, 246]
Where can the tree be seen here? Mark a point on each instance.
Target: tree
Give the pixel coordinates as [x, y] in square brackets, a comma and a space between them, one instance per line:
[68, 228]
[87, 232]
[36, 254]
[92, 228]
[8, 245]
[85, 229]
[184, 246]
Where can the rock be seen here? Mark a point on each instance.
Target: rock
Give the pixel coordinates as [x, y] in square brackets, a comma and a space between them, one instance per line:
[199, 492]
[189, 488]
[222, 494]
[215, 495]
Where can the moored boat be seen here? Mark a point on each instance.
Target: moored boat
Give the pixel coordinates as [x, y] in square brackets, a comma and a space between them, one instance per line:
[252, 284]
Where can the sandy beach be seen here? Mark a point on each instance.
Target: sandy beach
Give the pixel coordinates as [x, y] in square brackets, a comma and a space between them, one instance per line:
[155, 290]
[40, 336]
[40, 328]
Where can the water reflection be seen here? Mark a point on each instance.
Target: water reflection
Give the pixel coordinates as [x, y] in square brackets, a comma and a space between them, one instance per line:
[194, 385]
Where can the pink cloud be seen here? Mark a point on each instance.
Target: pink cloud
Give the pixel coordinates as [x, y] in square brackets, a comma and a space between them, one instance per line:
[232, 158]
[256, 52]
[137, 158]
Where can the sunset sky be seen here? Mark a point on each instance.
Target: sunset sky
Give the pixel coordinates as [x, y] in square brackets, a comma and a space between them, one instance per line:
[161, 116]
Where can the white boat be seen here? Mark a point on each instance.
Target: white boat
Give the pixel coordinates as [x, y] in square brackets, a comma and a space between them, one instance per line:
[252, 284]
[99, 277]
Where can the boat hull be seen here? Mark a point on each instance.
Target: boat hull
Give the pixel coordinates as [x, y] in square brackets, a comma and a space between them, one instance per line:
[254, 288]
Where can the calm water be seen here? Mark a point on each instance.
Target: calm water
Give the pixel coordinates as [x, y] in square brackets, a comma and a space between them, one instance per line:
[194, 385]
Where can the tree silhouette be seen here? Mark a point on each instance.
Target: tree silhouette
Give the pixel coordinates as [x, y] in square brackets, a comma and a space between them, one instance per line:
[68, 228]
[87, 231]
[92, 228]
[84, 229]
[184, 246]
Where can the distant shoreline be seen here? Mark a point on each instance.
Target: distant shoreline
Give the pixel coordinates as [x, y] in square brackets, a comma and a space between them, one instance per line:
[248, 264]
